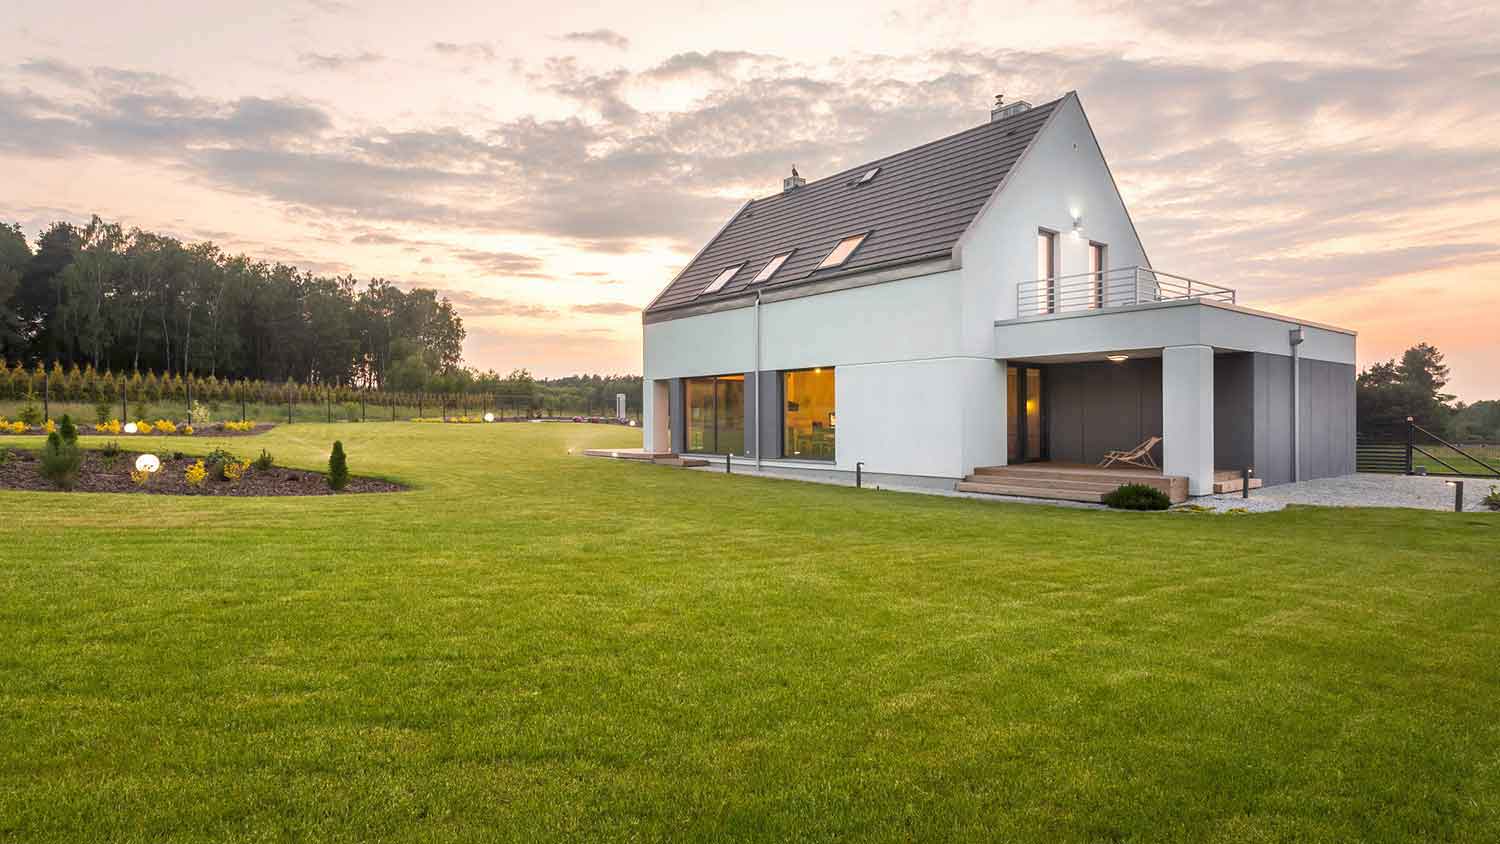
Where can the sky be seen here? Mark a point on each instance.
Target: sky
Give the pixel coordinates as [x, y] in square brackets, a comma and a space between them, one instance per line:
[551, 166]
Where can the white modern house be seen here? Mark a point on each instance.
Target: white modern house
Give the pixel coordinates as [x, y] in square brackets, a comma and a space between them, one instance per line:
[980, 301]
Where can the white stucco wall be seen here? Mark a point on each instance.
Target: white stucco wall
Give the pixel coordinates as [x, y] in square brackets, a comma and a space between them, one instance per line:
[1168, 324]
[1063, 174]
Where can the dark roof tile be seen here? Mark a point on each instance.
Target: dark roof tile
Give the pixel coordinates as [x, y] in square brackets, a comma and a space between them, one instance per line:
[917, 207]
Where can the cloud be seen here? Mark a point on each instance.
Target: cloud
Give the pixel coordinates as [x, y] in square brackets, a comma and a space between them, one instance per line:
[53, 69]
[604, 37]
[607, 308]
[468, 50]
[502, 263]
[472, 304]
[338, 61]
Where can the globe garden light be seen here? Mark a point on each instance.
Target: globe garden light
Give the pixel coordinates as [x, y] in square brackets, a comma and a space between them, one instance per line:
[130, 428]
[489, 417]
[148, 463]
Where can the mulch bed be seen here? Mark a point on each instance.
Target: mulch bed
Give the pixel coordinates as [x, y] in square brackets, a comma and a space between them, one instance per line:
[88, 431]
[101, 474]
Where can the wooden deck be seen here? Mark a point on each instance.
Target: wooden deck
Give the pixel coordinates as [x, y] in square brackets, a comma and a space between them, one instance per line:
[1078, 482]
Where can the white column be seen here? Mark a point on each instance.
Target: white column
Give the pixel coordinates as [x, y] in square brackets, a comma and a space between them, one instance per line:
[655, 413]
[1187, 415]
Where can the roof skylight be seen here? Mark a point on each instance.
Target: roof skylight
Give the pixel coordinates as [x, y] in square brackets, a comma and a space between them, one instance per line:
[869, 174]
[841, 253]
[771, 267]
[722, 280]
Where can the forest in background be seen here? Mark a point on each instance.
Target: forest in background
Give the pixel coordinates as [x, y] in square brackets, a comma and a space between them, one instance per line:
[98, 308]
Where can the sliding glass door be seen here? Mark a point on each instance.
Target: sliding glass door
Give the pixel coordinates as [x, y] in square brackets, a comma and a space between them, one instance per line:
[715, 414]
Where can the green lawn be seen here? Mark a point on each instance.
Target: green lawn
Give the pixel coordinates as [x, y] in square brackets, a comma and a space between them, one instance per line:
[534, 646]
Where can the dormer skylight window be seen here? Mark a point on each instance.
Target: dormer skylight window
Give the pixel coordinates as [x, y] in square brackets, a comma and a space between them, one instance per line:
[868, 176]
[722, 280]
[771, 267]
[841, 253]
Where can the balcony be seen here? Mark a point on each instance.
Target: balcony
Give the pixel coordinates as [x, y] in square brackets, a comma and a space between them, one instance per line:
[1114, 288]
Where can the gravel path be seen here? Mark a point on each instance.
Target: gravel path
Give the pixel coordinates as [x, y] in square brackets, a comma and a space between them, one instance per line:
[1425, 493]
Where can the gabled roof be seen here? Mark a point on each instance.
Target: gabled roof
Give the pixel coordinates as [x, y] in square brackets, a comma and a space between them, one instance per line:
[916, 208]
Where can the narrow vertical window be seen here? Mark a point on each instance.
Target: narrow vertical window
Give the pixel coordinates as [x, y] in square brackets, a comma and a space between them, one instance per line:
[1046, 266]
[1097, 265]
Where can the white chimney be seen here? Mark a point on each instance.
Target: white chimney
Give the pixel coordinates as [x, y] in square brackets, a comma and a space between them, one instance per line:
[1000, 111]
[793, 181]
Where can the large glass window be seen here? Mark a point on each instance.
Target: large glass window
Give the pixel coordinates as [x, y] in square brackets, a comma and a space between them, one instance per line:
[810, 415]
[716, 414]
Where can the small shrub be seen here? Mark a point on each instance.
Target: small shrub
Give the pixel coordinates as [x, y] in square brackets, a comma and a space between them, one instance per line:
[234, 470]
[140, 477]
[219, 461]
[176, 455]
[165, 426]
[201, 413]
[265, 460]
[30, 414]
[4, 455]
[187, 430]
[111, 426]
[1137, 497]
[247, 425]
[18, 427]
[60, 461]
[1492, 500]
[50, 426]
[338, 467]
[67, 430]
[111, 449]
[102, 412]
[196, 474]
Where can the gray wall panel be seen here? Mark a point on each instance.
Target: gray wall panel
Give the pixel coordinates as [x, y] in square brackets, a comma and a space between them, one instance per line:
[675, 415]
[1234, 411]
[1095, 407]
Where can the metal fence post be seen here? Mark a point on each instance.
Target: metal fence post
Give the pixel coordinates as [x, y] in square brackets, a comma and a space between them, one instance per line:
[124, 407]
[1411, 441]
[46, 394]
[187, 384]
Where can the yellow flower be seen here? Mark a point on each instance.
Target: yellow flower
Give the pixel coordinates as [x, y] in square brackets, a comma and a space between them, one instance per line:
[50, 427]
[187, 430]
[234, 471]
[196, 474]
[140, 477]
[165, 426]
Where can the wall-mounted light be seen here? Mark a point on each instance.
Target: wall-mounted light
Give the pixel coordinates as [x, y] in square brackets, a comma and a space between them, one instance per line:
[1117, 358]
[1078, 225]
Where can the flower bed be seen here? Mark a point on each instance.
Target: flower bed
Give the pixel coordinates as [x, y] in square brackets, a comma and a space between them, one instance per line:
[143, 428]
[20, 470]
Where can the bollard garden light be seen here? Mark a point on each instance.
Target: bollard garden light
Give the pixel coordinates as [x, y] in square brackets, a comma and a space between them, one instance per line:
[859, 474]
[1245, 475]
[1458, 495]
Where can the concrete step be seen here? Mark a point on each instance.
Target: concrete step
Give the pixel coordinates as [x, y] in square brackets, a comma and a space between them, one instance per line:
[1018, 491]
[680, 461]
[1235, 484]
[1075, 484]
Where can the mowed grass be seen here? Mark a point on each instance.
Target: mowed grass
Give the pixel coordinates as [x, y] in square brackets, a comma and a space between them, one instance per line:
[1474, 460]
[537, 646]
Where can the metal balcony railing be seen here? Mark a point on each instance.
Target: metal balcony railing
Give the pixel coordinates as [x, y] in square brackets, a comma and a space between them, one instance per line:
[1114, 288]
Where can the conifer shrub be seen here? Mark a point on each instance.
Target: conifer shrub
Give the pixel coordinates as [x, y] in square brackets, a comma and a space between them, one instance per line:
[61, 461]
[265, 460]
[338, 467]
[1137, 497]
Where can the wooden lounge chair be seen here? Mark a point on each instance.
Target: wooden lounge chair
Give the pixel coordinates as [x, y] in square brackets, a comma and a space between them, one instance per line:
[1138, 456]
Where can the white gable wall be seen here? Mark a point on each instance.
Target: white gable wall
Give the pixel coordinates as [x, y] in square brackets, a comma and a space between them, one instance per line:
[1063, 174]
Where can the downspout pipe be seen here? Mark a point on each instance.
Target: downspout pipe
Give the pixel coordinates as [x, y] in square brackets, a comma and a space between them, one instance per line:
[758, 385]
[1295, 338]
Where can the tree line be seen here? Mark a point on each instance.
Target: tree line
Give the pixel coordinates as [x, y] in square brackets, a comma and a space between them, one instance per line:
[1390, 392]
[100, 296]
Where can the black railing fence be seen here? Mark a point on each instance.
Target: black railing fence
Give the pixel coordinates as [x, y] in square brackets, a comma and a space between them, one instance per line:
[1410, 449]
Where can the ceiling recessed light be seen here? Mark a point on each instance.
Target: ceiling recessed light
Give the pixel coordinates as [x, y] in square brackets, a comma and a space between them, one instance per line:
[1118, 358]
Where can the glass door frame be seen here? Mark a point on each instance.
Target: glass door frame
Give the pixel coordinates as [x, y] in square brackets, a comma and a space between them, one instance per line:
[1020, 384]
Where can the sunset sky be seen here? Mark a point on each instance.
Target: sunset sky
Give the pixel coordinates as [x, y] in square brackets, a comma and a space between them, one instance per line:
[550, 167]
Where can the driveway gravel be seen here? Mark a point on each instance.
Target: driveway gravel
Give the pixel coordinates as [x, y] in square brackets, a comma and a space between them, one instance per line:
[1425, 493]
